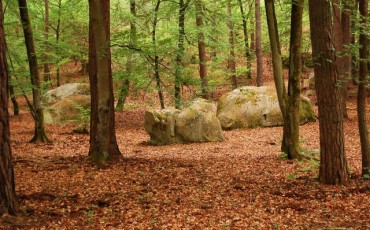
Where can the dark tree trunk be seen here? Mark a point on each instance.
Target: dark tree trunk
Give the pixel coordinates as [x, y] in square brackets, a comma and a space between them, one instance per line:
[248, 55]
[346, 40]
[333, 163]
[40, 133]
[201, 49]
[130, 59]
[354, 61]
[8, 199]
[156, 57]
[259, 44]
[363, 82]
[180, 53]
[12, 98]
[57, 36]
[103, 143]
[47, 77]
[231, 61]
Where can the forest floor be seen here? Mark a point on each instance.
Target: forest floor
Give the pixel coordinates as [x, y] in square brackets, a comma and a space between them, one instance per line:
[241, 183]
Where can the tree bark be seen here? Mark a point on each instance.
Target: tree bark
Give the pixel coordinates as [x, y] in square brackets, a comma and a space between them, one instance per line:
[333, 163]
[40, 133]
[130, 59]
[248, 55]
[259, 44]
[361, 96]
[201, 49]
[8, 199]
[231, 61]
[103, 143]
[346, 41]
[180, 53]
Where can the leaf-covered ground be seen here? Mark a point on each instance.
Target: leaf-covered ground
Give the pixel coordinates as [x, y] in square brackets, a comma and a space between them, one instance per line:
[241, 183]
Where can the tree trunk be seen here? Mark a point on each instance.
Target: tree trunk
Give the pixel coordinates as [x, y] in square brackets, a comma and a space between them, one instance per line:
[248, 55]
[346, 40]
[259, 44]
[8, 199]
[46, 36]
[291, 135]
[363, 82]
[354, 61]
[231, 61]
[156, 57]
[201, 49]
[333, 163]
[40, 133]
[130, 59]
[180, 53]
[103, 143]
[12, 98]
[57, 36]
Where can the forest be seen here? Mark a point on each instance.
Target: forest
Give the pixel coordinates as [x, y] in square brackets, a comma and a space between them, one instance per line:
[184, 114]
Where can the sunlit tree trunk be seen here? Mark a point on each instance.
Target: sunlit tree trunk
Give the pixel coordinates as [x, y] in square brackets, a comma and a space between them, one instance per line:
[258, 44]
[103, 143]
[333, 163]
[40, 133]
[231, 61]
[363, 82]
[130, 59]
[201, 49]
[8, 199]
[248, 55]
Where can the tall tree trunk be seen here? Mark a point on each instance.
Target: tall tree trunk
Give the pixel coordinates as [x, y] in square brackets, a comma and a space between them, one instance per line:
[46, 36]
[291, 134]
[201, 49]
[259, 44]
[40, 133]
[156, 57]
[288, 102]
[130, 59]
[333, 163]
[363, 82]
[180, 53]
[248, 55]
[8, 199]
[103, 143]
[12, 97]
[231, 61]
[346, 40]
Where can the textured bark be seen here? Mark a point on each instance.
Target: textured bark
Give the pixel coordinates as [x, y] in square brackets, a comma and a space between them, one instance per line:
[288, 102]
[40, 133]
[248, 55]
[291, 135]
[231, 61]
[201, 49]
[180, 53]
[333, 163]
[103, 143]
[156, 57]
[361, 96]
[130, 59]
[259, 44]
[8, 199]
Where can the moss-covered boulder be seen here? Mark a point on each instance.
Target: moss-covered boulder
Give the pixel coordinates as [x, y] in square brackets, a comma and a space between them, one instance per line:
[71, 108]
[195, 123]
[251, 107]
[66, 90]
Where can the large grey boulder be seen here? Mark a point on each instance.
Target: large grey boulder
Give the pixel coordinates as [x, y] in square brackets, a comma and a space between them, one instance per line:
[66, 90]
[72, 108]
[195, 123]
[251, 107]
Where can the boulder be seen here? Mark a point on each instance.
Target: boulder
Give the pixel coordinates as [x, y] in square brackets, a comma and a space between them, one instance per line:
[72, 108]
[61, 92]
[195, 123]
[251, 107]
